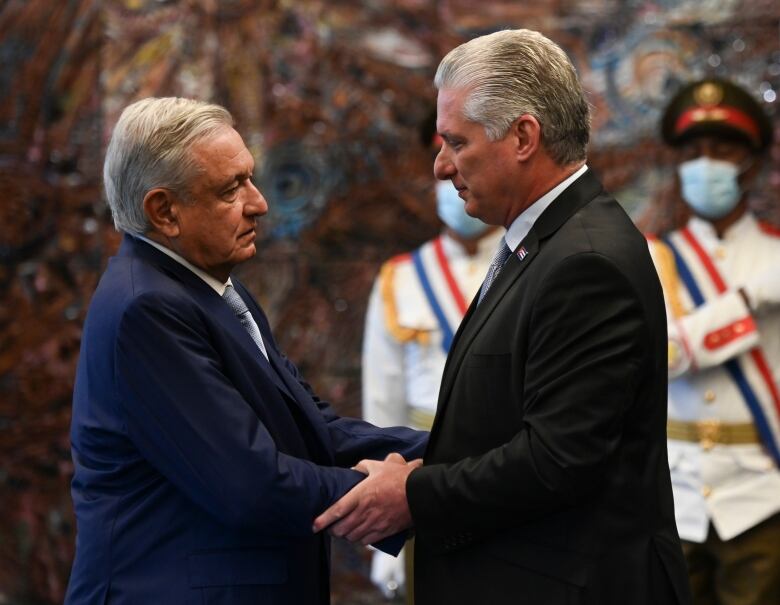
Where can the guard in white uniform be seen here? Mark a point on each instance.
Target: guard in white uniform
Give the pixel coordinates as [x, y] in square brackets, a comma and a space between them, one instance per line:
[721, 280]
[416, 305]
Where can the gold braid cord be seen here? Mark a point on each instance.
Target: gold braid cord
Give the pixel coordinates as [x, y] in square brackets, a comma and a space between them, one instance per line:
[386, 291]
[667, 273]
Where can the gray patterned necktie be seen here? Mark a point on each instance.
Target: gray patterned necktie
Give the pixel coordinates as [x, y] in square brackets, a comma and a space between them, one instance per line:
[238, 306]
[498, 261]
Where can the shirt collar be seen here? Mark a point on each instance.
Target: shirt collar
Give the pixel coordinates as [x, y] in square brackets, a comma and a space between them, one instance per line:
[523, 223]
[704, 229]
[215, 284]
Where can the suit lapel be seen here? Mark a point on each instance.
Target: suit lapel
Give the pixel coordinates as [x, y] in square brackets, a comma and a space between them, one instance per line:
[272, 368]
[574, 197]
[305, 411]
[476, 316]
[305, 408]
[205, 296]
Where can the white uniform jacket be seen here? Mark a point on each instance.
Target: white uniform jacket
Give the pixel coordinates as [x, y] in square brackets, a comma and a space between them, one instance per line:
[724, 372]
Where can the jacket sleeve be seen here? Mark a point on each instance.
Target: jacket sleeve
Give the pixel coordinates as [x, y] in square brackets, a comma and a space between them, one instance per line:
[583, 358]
[711, 334]
[189, 422]
[355, 440]
[706, 336]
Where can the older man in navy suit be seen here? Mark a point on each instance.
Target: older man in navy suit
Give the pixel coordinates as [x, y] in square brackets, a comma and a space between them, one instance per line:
[201, 456]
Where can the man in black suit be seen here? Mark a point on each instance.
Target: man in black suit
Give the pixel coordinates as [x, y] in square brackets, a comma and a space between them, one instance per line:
[545, 479]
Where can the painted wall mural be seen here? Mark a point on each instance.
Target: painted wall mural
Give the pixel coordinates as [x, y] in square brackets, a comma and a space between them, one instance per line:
[328, 96]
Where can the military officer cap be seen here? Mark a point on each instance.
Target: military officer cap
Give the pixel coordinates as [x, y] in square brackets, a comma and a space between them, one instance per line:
[714, 106]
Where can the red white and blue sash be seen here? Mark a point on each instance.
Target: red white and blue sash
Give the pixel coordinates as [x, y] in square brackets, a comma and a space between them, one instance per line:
[751, 373]
[441, 290]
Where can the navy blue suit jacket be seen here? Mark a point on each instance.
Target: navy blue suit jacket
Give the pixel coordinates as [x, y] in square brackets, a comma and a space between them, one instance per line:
[199, 464]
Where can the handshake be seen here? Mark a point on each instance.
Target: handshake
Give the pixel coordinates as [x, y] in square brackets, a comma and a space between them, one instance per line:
[376, 507]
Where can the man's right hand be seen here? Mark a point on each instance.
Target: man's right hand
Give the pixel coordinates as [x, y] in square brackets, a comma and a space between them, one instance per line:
[376, 507]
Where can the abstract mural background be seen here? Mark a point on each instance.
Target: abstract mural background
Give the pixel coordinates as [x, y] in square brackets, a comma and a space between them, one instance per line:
[328, 96]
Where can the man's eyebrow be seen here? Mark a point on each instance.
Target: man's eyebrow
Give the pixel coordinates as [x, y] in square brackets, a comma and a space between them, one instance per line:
[239, 176]
[449, 138]
[227, 182]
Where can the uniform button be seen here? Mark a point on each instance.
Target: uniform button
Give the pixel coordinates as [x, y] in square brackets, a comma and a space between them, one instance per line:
[709, 396]
[720, 253]
[706, 490]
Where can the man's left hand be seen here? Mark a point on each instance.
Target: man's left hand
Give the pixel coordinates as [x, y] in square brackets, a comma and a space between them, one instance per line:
[376, 507]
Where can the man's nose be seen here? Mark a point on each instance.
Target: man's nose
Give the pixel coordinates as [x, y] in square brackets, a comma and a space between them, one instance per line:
[256, 203]
[443, 168]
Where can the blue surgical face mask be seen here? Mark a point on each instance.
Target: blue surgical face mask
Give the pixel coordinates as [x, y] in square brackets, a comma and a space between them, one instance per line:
[710, 187]
[451, 211]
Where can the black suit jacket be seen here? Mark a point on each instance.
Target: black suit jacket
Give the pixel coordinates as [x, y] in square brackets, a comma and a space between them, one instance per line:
[546, 477]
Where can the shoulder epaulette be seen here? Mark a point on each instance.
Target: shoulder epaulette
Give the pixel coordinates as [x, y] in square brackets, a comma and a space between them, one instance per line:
[387, 293]
[666, 267]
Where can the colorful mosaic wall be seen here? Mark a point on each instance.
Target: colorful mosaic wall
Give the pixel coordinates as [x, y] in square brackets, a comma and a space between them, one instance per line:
[327, 96]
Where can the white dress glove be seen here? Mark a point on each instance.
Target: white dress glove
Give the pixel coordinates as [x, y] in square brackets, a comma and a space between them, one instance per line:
[763, 291]
[388, 573]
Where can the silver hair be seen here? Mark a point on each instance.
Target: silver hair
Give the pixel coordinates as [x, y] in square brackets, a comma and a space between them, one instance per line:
[521, 72]
[149, 148]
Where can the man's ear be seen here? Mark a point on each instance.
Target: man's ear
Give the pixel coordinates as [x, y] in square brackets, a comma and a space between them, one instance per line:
[161, 208]
[527, 133]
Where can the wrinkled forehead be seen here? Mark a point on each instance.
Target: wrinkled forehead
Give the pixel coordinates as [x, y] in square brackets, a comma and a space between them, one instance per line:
[223, 154]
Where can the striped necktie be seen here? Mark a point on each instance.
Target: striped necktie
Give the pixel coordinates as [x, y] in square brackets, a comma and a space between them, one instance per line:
[238, 306]
[498, 261]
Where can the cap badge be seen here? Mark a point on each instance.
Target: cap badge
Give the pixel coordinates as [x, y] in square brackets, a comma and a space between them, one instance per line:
[708, 94]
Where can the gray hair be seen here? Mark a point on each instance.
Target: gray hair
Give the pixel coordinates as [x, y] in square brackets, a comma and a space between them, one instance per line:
[149, 148]
[520, 72]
